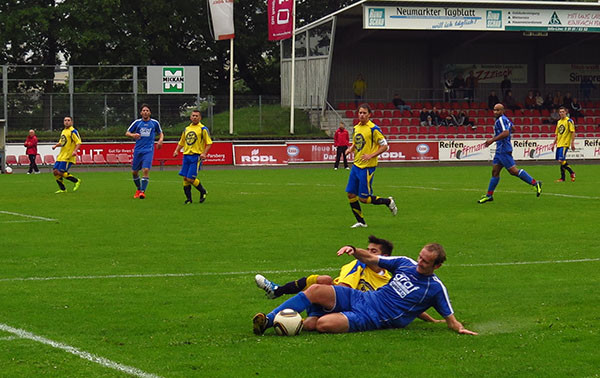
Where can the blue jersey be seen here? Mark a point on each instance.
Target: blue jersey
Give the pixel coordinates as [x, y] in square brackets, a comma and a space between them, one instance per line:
[148, 131]
[503, 123]
[408, 294]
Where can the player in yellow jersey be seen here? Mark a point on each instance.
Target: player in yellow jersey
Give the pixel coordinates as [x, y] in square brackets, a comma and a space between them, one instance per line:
[355, 275]
[368, 143]
[195, 142]
[69, 142]
[565, 138]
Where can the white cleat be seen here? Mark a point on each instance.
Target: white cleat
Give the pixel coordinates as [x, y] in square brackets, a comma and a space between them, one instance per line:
[268, 286]
[392, 206]
[358, 225]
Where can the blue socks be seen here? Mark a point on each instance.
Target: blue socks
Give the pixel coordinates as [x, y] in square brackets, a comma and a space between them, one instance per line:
[144, 184]
[136, 181]
[298, 302]
[525, 177]
[493, 183]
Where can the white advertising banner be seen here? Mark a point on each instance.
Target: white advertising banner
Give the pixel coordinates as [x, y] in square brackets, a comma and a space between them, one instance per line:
[464, 149]
[222, 19]
[488, 73]
[483, 19]
[173, 79]
[572, 73]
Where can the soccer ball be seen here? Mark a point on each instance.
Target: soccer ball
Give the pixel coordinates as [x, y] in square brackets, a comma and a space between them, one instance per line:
[8, 170]
[288, 323]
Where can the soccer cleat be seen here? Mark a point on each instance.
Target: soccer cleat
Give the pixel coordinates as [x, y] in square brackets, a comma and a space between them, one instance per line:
[358, 225]
[259, 323]
[538, 188]
[573, 177]
[203, 197]
[485, 198]
[347, 168]
[187, 201]
[560, 180]
[137, 194]
[142, 195]
[60, 191]
[335, 169]
[268, 286]
[77, 185]
[37, 173]
[392, 206]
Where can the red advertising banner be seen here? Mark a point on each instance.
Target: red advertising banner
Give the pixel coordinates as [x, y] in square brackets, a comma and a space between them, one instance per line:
[310, 152]
[221, 153]
[280, 19]
[260, 154]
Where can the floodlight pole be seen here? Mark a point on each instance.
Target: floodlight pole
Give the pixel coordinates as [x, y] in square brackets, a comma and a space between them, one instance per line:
[292, 84]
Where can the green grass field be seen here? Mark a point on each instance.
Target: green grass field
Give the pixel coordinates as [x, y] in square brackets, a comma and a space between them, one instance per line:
[158, 288]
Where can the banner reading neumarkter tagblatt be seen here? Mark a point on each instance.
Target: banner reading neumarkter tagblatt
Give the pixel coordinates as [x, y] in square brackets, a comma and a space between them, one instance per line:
[222, 17]
[280, 19]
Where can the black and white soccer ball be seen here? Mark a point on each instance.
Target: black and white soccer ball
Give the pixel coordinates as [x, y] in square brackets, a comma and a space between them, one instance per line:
[288, 322]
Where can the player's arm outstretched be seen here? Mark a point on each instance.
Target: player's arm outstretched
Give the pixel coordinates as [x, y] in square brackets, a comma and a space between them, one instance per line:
[457, 326]
[361, 255]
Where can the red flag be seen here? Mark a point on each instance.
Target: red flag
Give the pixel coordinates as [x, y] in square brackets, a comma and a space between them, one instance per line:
[280, 19]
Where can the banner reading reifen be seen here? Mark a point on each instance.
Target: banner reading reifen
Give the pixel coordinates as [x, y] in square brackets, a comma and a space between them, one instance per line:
[468, 149]
[222, 19]
[280, 19]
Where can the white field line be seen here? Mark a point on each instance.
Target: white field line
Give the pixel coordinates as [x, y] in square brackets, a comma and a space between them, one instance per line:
[32, 217]
[77, 352]
[206, 274]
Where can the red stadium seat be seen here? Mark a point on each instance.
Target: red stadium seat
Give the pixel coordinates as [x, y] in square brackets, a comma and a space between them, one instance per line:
[350, 113]
[536, 121]
[355, 121]
[342, 106]
[545, 113]
[405, 122]
[49, 159]
[526, 121]
[11, 160]
[413, 130]
[23, 160]
[416, 113]
[390, 106]
[385, 122]
[415, 122]
[376, 121]
[99, 159]
[394, 130]
[395, 121]
[86, 159]
[387, 113]
[396, 113]
[403, 130]
[377, 114]
[124, 158]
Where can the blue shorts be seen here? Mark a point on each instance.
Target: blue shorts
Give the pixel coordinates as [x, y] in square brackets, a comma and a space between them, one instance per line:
[62, 166]
[142, 160]
[190, 167]
[504, 159]
[351, 303]
[360, 181]
[561, 153]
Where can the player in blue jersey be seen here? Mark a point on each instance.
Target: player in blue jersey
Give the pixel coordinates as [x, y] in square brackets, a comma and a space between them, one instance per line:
[503, 157]
[413, 289]
[143, 130]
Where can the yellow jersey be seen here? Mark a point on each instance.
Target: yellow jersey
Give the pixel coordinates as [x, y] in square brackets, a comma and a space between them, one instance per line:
[359, 276]
[194, 139]
[69, 139]
[565, 132]
[366, 140]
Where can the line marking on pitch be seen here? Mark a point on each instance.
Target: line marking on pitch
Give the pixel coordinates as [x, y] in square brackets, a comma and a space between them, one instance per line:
[33, 218]
[178, 275]
[21, 333]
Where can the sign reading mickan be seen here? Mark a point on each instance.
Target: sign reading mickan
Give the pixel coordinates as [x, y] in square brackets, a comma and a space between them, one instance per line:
[173, 79]
[468, 18]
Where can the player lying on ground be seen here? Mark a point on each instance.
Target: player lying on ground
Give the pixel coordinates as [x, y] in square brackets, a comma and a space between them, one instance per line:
[354, 275]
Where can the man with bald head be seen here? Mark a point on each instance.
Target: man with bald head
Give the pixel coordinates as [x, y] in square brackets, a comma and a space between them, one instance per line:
[503, 157]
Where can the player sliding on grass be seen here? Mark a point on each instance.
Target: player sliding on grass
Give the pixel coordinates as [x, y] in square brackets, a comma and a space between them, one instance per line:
[367, 144]
[355, 275]
[503, 157]
[195, 142]
[412, 290]
[69, 143]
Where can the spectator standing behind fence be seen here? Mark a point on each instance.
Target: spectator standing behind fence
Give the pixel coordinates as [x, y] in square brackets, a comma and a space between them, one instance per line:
[341, 141]
[399, 103]
[530, 100]
[586, 87]
[492, 100]
[359, 87]
[471, 84]
[575, 111]
[505, 86]
[448, 89]
[509, 101]
[31, 143]
[459, 86]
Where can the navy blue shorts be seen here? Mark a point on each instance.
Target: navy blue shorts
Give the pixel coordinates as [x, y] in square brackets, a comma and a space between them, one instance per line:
[142, 160]
[360, 181]
[62, 166]
[505, 159]
[561, 153]
[190, 167]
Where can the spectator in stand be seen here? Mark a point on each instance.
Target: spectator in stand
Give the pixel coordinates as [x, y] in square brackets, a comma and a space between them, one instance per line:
[399, 103]
[492, 100]
[554, 117]
[575, 110]
[459, 85]
[549, 102]
[509, 101]
[539, 101]
[435, 117]
[452, 119]
[586, 87]
[557, 101]
[567, 100]
[471, 83]
[341, 141]
[530, 100]
[505, 86]
[444, 116]
[423, 117]
[448, 89]
[31, 143]
[359, 87]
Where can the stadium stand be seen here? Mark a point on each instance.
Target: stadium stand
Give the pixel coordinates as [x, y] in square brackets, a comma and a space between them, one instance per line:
[11, 160]
[23, 160]
[49, 159]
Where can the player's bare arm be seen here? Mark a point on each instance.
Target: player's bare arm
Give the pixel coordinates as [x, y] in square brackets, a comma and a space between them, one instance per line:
[457, 326]
[360, 254]
[160, 141]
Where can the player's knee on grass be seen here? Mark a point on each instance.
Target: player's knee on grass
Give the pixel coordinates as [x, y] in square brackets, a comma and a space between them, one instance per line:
[323, 295]
[310, 323]
[325, 280]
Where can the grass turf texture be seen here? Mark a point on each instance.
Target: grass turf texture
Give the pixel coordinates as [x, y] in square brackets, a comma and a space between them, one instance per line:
[533, 319]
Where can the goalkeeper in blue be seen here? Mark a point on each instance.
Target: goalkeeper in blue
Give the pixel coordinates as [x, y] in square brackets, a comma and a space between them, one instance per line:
[412, 290]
